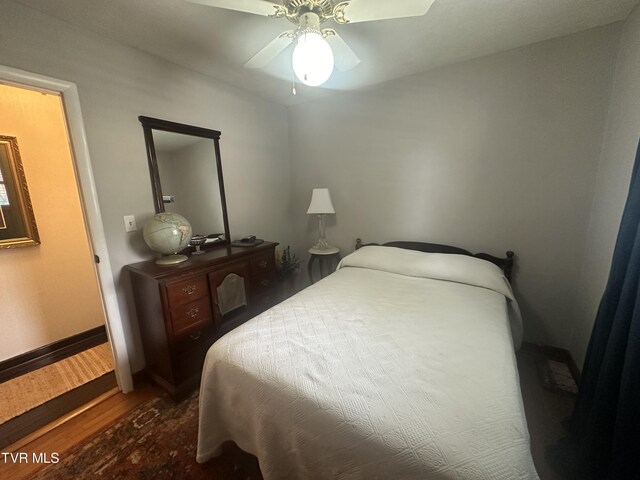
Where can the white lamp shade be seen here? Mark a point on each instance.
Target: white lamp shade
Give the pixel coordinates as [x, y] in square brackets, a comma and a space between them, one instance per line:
[321, 203]
[312, 59]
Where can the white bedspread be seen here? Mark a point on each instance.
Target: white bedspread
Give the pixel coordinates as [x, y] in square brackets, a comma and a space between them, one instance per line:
[371, 374]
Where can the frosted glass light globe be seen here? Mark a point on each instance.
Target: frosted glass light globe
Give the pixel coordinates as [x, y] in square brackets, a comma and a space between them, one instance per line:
[312, 59]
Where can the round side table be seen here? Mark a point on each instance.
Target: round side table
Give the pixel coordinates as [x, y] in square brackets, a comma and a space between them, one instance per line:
[327, 260]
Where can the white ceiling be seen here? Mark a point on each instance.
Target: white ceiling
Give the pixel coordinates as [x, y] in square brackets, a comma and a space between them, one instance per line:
[218, 42]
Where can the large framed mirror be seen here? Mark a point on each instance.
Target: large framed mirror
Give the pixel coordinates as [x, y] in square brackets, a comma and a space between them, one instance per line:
[186, 175]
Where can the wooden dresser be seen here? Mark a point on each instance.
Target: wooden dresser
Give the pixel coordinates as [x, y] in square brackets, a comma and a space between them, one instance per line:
[182, 309]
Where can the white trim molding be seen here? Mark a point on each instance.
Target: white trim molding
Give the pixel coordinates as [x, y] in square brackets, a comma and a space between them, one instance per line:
[75, 125]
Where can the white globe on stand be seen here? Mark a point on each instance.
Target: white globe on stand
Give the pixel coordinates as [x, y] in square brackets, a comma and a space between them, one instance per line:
[312, 59]
[167, 233]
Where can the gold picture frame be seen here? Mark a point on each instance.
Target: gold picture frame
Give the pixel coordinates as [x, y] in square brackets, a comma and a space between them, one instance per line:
[17, 221]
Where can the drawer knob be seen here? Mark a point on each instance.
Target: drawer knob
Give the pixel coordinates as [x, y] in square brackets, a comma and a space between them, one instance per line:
[195, 335]
[189, 289]
[262, 264]
[264, 282]
[193, 312]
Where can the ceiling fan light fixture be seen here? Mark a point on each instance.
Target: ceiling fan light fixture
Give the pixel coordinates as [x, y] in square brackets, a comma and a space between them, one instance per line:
[312, 58]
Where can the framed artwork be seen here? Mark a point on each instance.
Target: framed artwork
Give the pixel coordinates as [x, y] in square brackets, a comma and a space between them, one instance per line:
[17, 221]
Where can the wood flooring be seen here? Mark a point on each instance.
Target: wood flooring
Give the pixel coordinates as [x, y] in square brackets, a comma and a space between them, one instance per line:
[73, 429]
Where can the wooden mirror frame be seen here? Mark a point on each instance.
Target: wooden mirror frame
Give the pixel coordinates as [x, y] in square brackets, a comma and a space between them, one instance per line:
[148, 125]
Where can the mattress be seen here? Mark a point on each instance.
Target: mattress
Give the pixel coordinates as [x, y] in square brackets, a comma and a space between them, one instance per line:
[399, 365]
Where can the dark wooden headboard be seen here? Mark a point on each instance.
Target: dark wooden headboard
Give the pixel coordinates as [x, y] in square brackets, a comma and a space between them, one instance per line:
[506, 263]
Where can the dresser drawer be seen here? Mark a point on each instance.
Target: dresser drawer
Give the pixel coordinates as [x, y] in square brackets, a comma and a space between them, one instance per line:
[187, 290]
[263, 264]
[185, 318]
[194, 337]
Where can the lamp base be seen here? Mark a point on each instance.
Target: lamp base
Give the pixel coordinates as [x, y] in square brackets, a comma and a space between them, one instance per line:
[322, 246]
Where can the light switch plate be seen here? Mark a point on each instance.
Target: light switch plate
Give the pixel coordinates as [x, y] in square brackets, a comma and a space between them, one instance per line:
[130, 223]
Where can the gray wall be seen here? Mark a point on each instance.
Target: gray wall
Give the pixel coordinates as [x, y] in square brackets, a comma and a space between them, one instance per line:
[116, 84]
[614, 174]
[492, 154]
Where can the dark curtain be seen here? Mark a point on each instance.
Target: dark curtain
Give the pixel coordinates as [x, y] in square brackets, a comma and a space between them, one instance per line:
[604, 440]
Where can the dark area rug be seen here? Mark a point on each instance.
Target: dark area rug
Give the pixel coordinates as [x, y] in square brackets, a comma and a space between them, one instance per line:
[155, 441]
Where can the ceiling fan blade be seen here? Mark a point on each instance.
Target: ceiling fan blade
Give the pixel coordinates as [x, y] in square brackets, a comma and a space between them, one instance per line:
[271, 50]
[354, 11]
[344, 58]
[258, 7]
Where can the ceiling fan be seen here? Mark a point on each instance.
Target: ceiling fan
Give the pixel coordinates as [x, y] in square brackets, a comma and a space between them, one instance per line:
[318, 49]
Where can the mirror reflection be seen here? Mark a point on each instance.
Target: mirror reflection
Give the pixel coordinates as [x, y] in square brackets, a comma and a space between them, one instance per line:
[186, 177]
[189, 179]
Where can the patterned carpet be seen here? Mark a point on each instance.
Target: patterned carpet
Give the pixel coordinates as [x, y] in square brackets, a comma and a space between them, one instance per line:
[155, 441]
[28, 391]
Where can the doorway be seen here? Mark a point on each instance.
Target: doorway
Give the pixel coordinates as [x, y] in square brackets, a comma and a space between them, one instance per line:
[93, 218]
[55, 291]
[49, 291]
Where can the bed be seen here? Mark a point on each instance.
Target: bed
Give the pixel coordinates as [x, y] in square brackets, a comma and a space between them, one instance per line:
[399, 365]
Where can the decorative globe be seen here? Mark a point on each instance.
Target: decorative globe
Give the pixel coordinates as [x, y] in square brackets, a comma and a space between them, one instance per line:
[167, 233]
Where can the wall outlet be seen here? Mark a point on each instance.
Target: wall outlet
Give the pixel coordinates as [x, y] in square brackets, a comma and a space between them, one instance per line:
[130, 224]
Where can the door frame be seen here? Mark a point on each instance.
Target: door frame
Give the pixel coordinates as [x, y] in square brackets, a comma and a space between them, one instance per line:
[82, 165]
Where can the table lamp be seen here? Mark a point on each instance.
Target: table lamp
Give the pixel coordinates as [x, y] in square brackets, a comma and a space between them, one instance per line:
[322, 206]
